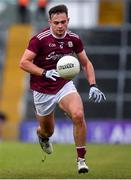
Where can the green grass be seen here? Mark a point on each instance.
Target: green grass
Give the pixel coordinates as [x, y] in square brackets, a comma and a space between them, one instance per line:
[23, 161]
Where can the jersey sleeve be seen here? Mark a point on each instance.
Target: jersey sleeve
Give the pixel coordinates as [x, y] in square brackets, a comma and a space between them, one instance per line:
[34, 45]
[78, 46]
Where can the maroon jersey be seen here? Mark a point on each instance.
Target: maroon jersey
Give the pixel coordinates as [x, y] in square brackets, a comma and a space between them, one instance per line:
[49, 49]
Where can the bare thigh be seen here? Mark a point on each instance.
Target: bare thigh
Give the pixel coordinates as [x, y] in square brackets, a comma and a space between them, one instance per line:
[72, 104]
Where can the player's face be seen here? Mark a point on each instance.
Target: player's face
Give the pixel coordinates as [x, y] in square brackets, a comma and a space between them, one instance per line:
[59, 23]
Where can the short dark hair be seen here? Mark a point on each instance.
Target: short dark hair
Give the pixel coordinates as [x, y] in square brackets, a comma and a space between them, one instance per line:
[58, 9]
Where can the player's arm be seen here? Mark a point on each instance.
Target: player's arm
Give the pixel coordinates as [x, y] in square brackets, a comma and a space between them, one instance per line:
[94, 93]
[87, 67]
[26, 63]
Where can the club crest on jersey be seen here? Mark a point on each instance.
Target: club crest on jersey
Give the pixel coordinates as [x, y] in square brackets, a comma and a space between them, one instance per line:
[61, 44]
[70, 44]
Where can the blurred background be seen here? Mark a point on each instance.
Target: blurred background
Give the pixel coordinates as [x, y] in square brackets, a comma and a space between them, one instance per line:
[105, 28]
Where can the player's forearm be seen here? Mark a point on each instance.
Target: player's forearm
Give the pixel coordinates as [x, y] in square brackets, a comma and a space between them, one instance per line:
[31, 68]
[89, 73]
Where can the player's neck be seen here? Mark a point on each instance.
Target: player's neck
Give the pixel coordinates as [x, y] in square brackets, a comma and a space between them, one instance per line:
[57, 37]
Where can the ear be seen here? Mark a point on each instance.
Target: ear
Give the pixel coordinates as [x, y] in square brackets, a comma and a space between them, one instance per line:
[49, 21]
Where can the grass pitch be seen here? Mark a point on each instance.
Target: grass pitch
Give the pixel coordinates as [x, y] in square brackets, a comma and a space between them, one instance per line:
[24, 161]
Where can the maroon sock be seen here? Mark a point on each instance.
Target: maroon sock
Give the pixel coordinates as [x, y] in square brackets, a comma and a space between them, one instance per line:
[81, 151]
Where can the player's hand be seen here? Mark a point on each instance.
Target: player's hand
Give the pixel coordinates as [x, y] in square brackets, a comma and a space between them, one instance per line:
[52, 74]
[96, 95]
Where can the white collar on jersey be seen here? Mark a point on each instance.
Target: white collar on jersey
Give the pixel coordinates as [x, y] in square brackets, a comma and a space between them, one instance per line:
[57, 36]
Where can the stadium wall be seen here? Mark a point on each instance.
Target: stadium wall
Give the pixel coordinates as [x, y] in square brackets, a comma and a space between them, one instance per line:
[112, 132]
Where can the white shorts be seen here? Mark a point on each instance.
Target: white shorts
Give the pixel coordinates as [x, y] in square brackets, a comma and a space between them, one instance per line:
[46, 103]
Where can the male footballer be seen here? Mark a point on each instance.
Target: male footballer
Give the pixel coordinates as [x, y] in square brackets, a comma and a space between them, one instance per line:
[49, 89]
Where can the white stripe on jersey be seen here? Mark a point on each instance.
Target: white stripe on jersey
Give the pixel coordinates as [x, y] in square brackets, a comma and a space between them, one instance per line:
[43, 34]
[73, 34]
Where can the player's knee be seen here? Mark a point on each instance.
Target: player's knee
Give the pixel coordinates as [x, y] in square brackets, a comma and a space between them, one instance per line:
[78, 117]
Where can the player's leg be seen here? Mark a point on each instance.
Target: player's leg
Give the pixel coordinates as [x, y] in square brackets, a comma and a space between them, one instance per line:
[44, 105]
[45, 130]
[46, 125]
[73, 106]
